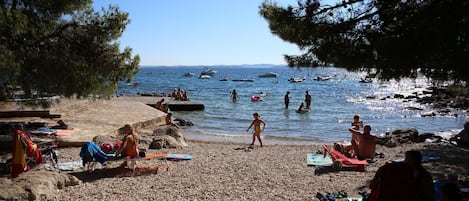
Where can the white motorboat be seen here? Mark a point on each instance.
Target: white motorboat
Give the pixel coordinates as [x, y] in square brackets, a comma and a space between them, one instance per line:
[296, 79]
[323, 78]
[366, 80]
[269, 74]
[208, 71]
[204, 77]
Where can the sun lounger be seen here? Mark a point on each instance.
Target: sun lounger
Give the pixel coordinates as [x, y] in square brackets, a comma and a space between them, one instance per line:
[340, 161]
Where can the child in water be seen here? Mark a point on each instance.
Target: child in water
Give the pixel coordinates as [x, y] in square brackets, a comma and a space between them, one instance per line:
[357, 124]
[257, 128]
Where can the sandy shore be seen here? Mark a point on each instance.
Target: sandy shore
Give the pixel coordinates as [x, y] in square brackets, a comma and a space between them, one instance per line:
[219, 171]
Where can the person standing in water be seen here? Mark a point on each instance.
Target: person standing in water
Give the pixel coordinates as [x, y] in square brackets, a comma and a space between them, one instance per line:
[257, 128]
[234, 95]
[287, 99]
[308, 100]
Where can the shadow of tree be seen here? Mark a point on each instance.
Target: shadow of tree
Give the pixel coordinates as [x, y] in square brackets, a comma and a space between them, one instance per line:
[453, 159]
[120, 171]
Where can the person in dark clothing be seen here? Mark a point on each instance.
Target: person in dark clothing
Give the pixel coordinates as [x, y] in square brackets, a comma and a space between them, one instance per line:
[287, 99]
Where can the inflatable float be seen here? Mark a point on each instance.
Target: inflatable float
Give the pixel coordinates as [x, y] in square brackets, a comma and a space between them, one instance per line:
[256, 98]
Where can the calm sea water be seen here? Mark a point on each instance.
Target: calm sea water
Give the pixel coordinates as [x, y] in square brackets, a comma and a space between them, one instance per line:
[335, 101]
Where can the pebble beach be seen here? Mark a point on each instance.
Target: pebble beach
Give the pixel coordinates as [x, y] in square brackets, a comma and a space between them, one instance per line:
[219, 171]
[223, 171]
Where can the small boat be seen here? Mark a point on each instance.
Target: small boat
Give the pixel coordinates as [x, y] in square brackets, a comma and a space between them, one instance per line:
[269, 74]
[204, 77]
[301, 79]
[303, 111]
[224, 79]
[323, 78]
[188, 75]
[208, 71]
[256, 98]
[242, 80]
[366, 80]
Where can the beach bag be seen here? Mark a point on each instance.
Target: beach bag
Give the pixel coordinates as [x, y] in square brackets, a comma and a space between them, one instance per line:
[107, 147]
[393, 181]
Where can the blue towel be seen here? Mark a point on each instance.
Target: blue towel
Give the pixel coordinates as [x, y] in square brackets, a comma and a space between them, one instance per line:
[90, 151]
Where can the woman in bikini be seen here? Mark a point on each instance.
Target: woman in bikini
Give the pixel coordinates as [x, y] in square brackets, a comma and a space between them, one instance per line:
[129, 147]
[257, 128]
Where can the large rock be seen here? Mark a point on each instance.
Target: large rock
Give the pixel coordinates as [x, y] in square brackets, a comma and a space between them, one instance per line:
[405, 136]
[168, 137]
[35, 185]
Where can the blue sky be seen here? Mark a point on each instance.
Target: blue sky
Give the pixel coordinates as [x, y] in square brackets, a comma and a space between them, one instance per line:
[200, 32]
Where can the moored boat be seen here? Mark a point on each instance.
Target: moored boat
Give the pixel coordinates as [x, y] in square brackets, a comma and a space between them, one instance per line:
[242, 80]
[269, 74]
[297, 79]
[366, 80]
[208, 71]
[204, 77]
[323, 78]
[188, 75]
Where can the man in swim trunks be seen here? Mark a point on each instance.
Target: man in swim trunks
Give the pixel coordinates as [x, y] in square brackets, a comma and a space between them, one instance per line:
[129, 147]
[257, 128]
[363, 145]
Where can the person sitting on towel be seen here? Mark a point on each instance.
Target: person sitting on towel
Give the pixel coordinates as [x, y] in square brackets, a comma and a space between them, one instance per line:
[129, 147]
[363, 145]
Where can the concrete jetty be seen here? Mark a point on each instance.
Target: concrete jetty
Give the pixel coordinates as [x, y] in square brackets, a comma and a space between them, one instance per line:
[90, 118]
[173, 105]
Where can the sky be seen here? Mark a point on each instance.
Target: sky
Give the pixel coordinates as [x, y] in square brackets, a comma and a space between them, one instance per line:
[200, 32]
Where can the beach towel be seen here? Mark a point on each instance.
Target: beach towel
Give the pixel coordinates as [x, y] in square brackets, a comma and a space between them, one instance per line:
[425, 159]
[91, 152]
[318, 160]
[23, 146]
[70, 166]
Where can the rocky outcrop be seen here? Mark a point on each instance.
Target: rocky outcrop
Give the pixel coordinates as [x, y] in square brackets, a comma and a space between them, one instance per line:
[405, 136]
[35, 185]
[168, 137]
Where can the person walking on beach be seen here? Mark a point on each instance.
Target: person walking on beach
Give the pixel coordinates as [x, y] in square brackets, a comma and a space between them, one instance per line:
[234, 95]
[308, 99]
[287, 99]
[257, 128]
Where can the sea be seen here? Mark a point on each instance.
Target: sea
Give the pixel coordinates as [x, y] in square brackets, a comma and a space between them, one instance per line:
[334, 103]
